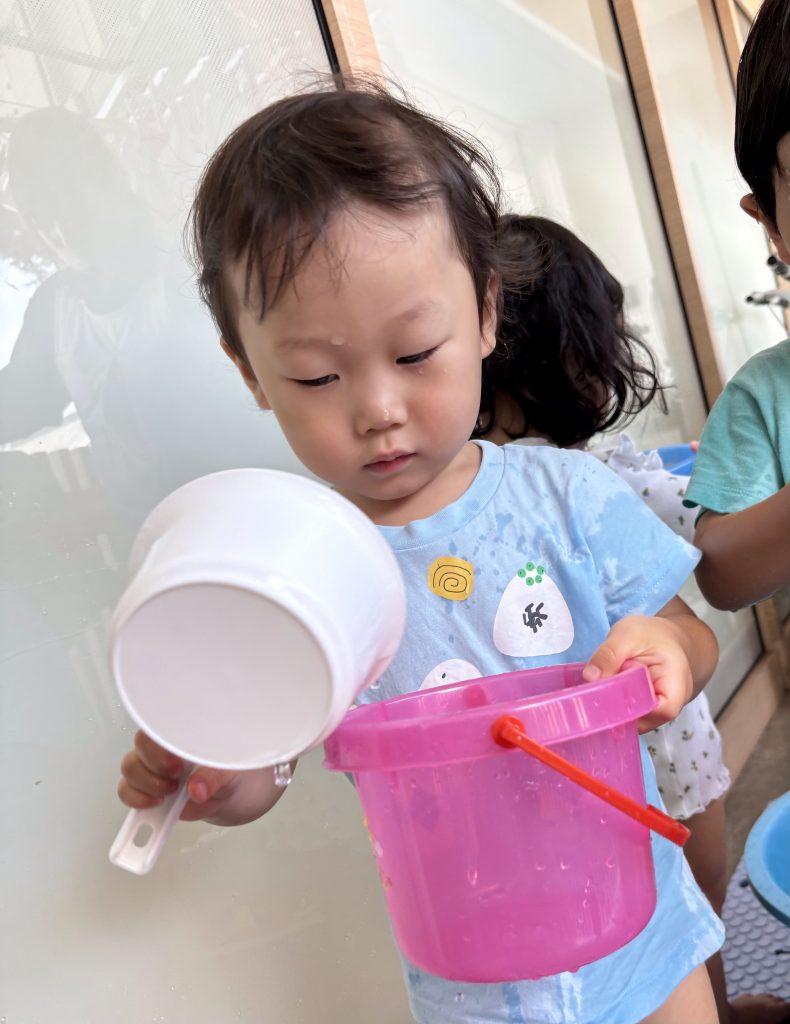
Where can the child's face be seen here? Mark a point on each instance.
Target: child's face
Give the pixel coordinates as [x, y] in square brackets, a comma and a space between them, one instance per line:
[371, 359]
[779, 232]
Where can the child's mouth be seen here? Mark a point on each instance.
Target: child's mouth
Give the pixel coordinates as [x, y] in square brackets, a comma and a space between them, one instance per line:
[388, 464]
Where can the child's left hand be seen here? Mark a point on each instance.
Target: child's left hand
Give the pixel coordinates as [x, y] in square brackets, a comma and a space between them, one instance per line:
[676, 647]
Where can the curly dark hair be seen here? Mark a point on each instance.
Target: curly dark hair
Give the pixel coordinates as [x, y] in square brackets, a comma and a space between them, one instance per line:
[270, 190]
[564, 352]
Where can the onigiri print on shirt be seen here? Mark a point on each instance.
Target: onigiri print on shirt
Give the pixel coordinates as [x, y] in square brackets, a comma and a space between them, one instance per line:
[533, 618]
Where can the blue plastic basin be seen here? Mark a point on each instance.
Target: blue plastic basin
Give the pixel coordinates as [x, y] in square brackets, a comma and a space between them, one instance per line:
[678, 458]
[768, 858]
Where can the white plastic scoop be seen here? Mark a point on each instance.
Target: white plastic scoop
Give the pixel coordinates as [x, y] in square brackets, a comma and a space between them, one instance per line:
[261, 604]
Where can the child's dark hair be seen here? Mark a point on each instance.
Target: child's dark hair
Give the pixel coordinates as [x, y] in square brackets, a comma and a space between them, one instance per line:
[762, 107]
[270, 190]
[564, 352]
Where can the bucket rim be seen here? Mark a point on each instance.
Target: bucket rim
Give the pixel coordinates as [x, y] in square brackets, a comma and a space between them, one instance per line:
[367, 741]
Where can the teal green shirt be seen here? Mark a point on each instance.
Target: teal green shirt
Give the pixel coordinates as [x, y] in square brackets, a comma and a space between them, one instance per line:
[744, 454]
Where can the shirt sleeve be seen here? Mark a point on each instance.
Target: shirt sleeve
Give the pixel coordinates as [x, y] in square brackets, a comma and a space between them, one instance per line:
[641, 563]
[736, 465]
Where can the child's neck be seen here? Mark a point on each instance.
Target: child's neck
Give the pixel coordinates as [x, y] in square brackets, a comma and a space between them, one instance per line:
[437, 494]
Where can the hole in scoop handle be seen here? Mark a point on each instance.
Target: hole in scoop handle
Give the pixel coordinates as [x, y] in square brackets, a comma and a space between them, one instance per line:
[144, 833]
[508, 731]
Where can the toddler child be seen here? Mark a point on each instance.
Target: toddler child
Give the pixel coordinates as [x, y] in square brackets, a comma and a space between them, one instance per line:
[347, 246]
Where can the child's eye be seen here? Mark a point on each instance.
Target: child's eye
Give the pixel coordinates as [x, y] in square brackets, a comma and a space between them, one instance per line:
[418, 357]
[317, 382]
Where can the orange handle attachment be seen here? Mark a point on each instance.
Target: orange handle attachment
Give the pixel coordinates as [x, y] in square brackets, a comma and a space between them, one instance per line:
[508, 731]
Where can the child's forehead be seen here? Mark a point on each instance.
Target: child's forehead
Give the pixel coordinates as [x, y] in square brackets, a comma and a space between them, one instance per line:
[383, 246]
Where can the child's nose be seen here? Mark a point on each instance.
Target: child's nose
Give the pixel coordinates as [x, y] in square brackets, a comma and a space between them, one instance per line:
[379, 410]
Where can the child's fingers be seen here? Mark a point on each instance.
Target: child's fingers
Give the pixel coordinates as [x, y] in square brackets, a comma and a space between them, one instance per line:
[674, 687]
[208, 789]
[140, 778]
[207, 783]
[156, 759]
[656, 718]
[622, 643]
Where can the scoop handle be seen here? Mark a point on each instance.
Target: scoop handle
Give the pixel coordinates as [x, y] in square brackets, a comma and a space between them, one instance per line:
[508, 731]
[144, 832]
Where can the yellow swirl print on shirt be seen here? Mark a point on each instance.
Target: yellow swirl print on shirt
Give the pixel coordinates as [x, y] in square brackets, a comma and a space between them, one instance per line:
[451, 578]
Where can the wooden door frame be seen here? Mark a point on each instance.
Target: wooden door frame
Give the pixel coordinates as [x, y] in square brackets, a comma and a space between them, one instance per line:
[352, 36]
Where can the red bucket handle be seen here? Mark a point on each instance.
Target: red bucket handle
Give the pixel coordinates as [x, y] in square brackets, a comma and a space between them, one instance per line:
[508, 731]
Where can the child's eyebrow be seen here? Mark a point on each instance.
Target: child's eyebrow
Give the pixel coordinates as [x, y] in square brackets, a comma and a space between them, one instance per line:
[293, 342]
[426, 307]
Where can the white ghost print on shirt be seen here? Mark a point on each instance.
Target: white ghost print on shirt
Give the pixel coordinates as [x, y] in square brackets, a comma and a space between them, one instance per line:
[532, 618]
[456, 670]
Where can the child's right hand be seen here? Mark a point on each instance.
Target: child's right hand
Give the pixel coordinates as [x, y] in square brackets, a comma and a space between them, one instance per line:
[149, 773]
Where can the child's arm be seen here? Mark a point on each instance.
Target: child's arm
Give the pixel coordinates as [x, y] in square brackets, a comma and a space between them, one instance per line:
[679, 650]
[149, 773]
[740, 482]
[745, 555]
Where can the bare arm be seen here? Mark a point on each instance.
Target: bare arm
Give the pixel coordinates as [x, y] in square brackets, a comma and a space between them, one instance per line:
[745, 555]
[696, 638]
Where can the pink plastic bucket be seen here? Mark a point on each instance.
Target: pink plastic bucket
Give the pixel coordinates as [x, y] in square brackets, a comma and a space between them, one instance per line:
[495, 868]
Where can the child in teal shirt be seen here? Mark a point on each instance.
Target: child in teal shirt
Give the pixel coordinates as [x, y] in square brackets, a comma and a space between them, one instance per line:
[742, 470]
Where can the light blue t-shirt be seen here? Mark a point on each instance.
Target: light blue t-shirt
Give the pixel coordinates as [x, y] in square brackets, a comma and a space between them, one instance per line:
[545, 551]
[744, 454]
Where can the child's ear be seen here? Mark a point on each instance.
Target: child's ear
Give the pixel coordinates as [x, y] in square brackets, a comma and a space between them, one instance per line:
[749, 206]
[488, 321]
[248, 376]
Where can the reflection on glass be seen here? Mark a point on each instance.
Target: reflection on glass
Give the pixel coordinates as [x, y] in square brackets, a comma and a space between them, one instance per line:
[113, 391]
[698, 106]
[115, 330]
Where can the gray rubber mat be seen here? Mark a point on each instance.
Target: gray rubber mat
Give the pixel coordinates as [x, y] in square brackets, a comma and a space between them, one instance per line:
[757, 948]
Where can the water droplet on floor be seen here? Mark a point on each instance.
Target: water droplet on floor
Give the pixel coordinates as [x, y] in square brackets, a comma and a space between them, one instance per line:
[459, 997]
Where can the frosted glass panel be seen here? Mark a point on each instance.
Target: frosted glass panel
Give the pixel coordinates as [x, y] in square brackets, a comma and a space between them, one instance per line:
[698, 106]
[113, 391]
[543, 84]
